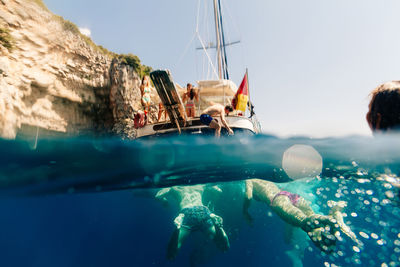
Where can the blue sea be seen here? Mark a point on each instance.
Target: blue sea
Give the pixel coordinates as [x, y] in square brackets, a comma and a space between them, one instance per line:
[91, 202]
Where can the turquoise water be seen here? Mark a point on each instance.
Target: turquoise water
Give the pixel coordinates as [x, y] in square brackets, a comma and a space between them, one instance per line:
[90, 202]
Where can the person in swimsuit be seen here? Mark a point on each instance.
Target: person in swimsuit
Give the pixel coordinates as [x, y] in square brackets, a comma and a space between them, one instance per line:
[189, 97]
[216, 110]
[193, 216]
[295, 210]
[145, 90]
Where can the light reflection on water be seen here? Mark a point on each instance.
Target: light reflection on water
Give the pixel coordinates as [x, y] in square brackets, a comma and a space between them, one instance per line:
[358, 170]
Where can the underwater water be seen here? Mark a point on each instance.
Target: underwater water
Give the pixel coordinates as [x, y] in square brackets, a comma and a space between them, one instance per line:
[90, 202]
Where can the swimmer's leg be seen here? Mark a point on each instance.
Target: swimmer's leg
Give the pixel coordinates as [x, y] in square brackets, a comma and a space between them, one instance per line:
[217, 233]
[246, 214]
[285, 209]
[314, 225]
[305, 206]
[215, 125]
[175, 242]
[219, 236]
[221, 239]
[336, 213]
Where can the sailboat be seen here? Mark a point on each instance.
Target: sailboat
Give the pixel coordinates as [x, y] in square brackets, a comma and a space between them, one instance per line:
[221, 90]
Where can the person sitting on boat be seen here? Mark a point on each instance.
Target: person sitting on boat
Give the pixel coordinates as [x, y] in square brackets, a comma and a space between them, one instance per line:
[323, 230]
[145, 90]
[189, 97]
[193, 216]
[140, 119]
[216, 110]
[162, 110]
[384, 115]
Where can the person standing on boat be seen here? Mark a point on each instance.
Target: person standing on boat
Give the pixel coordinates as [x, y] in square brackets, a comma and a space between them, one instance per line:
[189, 97]
[214, 111]
[145, 89]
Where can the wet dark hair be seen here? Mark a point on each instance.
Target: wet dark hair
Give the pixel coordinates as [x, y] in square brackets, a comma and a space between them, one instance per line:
[144, 77]
[191, 94]
[385, 101]
[229, 108]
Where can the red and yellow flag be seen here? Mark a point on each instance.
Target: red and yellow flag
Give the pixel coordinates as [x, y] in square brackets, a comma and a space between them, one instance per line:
[239, 101]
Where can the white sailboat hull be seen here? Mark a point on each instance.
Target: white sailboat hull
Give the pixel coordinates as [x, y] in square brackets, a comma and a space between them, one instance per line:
[239, 124]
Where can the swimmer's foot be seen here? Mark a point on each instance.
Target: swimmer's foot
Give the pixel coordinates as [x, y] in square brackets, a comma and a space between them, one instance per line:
[336, 213]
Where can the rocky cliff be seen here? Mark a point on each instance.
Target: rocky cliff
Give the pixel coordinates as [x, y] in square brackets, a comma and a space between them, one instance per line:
[54, 79]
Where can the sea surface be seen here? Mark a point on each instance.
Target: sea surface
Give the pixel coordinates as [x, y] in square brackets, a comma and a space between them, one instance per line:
[91, 202]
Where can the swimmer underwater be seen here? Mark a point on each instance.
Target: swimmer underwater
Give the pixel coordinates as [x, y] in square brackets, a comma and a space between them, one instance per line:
[323, 230]
[193, 216]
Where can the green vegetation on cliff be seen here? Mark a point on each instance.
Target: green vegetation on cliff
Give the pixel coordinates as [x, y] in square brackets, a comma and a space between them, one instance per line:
[127, 59]
[134, 62]
[6, 39]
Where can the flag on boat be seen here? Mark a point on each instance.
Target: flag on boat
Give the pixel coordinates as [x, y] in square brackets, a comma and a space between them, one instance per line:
[239, 101]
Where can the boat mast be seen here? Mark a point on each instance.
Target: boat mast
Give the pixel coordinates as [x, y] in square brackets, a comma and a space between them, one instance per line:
[218, 39]
[220, 46]
[221, 54]
[223, 46]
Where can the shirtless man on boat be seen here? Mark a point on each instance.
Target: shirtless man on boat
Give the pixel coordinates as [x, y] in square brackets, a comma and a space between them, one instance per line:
[214, 111]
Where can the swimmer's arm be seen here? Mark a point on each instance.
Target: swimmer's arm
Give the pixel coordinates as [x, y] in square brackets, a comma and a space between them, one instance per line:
[184, 97]
[179, 220]
[249, 190]
[162, 194]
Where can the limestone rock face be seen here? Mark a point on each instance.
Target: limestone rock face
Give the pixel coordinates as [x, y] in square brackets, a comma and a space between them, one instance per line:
[53, 78]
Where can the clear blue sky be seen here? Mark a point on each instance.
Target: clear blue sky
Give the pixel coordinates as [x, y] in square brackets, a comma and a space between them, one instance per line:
[311, 63]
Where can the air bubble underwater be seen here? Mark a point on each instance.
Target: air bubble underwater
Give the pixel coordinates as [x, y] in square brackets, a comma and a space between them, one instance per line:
[371, 230]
